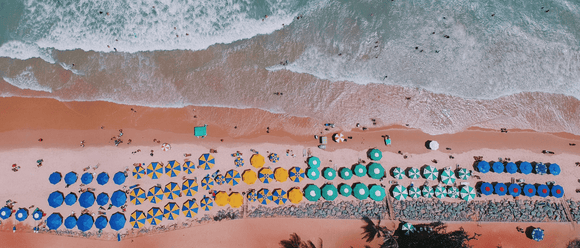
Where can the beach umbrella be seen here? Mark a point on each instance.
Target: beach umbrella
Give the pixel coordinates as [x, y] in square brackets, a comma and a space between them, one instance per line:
[55, 199]
[257, 161]
[102, 199]
[345, 190]
[55, 177]
[377, 193]
[86, 178]
[155, 194]
[85, 222]
[359, 170]
[414, 173]
[233, 177]
[400, 192]
[206, 161]
[21, 214]
[119, 198]
[453, 192]
[448, 177]
[237, 200]
[440, 192]
[190, 208]
[529, 190]
[486, 188]
[188, 167]
[408, 228]
[313, 162]
[70, 222]
[189, 187]
[500, 189]
[430, 172]
[5, 212]
[375, 154]
[543, 190]
[54, 221]
[312, 173]
[281, 174]
[154, 216]
[515, 190]
[249, 177]
[511, 168]
[345, 173]
[101, 222]
[541, 169]
[428, 192]
[171, 211]
[265, 175]
[463, 174]
[279, 197]
[295, 195]
[207, 183]
[526, 168]
[87, 199]
[103, 178]
[70, 199]
[376, 171]
[206, 203]
[557, 191]
[483, 166]
[221, 198]
[264, 196]
[538, 234]
[338, 137]
[312, 192]
[119, 178]
[137, 219]
[70, 178]
[398, 173]
[172, 191]
[274, 157]
[137, 196]
[329, 173]
[433, 145]
[414, 192]
[554, 169]
[117, 221]
[252, 196]
[173, 168]
[360, 191]
[139, 172]
[219, 179]
[498, 167]
[467, 193]
[329, 192]
[154, 170]
[239, 162]
[296, 174]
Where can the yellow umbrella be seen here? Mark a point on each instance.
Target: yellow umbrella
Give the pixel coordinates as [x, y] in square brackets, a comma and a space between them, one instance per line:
[236, 200]
[221, 198]
[249, 177]
[295, 195]
[281, 174]
[257, 160]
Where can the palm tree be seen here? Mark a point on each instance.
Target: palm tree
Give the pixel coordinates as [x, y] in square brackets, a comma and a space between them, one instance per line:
[296, 242]
[370, 231]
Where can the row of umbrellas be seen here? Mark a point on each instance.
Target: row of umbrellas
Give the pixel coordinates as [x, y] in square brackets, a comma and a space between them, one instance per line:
[21, 214]
[432, 173]
[401, 192]
[87, 199]
[528, 190]
[171, 191]
[155, 170]
[85, 221]
[72, 177]
[525, 168]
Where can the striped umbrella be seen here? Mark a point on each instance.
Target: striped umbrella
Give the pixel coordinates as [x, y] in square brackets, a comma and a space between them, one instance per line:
[428, 191]
[414, 173]
[207, 183]
[360, 191]
[557, 191]
[345, 173]
[498, 167]
[483, 166]
[154, 170]
[486, 188]
[206, 203]
[312, 173]
[345, 190]
[138, 172]
[249, 177]
[295, 195]
[137, 196]
[274, 157]
[188, 167]
[500, 189]
[515, 190]
[467, 193]
[448, 177]
[377, 193]
[329, 173]
[155, 194]
[219, 179]
[279, 196]
[312, 192]
[172, 191]
[440, 192]
[206, 161]
[257, 161]
[359, 170]
[281, 174]
[265, 175]
[239, 162]
[400, 192]
[233, 177]
[236, 200]
[264, 196]
[190, 208]
[463, 174]
[252, 196]
[137, 219]
[329, 192]
[398, 173]
[408, 228]
[221, 198]
[453, 192]
[414, 192]
[376, 171]
[375, 154]
[296, 174]
[173, 168]
[189, 187]
[154, 216]
[313, 162]
[430, 172]
[171, 211]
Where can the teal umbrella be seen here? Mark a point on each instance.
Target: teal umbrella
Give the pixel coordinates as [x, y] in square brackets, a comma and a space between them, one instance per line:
[312, 192]
[329, 192]
[359, 170]
[398, 173]
[463, 174]
[346, 173]
[430, 172]
[377, 193]
[376, 171]
[428, 191]
[329, 173]
[440, 192]
[467, 193]
[312, 173]
[360, 191]
[408, 228]
[400, 192]
[313, 162]
[375, 154]
[414, 173]
[345, 190]
[414, 192]
[453, 192]
[448, 177]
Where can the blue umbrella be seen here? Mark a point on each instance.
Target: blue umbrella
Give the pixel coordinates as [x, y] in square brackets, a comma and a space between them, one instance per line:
[70, 178]
[515, 190]
[119, 198]
[486, 188]
[87, 178]
[541, 169]
[119, 178]
[21, 214]
[498, 167]
[87, 199]
[5, 213]
[70, 222]
[483, 167]
[511, 167]
[526, 168]
[37, 214]
[500, 189]
[55, 177]
[103, 178]
[70, 199]
[54, 221]
[557, 191]
[554, 169]
[538, 234]
[529, 190]
[543, 190]
[85, 222]
[117, 221]
[102, 199]
[101, 222]
[55, 199]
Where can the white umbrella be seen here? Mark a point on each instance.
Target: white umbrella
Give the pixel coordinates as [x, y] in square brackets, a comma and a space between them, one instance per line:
[433, 145]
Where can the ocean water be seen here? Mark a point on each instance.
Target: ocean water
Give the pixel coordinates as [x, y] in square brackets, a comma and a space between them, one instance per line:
[461, 63]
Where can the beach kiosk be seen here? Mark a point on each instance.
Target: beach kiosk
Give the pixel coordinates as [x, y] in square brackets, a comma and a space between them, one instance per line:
[200, 131]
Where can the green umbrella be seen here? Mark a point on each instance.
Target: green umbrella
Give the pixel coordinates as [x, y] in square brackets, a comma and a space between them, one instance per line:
[430, 172]
[329, 192]
[360, 191]
[345, 190]
[376, 171]
[414, 192]
[453, 192]
[375, 154]
[377, 193]
[440, 192]
[312, 192]
[400, 192]
[414, 173]
[428, 191]
[467, 193]
[408, 228]
[312, 173]
[345, 173]
[359, 170]
[463, 174]
[448, 177]
[313, 162]
[329, 173]
[398, 173]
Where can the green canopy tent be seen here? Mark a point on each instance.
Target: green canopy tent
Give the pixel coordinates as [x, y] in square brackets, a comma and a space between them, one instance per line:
[464, 174]
[453, 192]
[375, 154]
[414, 192]
[398, 173]
[376, 171]
[448, 177]
[200, 131]
[400, 192]
[359, 170]
[360, 191]
[377, 193]
[414, 173]
[467, 193]
[430, 172]
[345, 190]
[329, 192]
[312, 192]
[346, 173]
[428, 191]
[440, 192]
[329, 173]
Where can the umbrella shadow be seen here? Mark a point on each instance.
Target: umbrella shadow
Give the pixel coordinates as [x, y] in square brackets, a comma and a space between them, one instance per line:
[391, 189]
[478, 187]
[529, 231]
[422, 169]
[427, 143]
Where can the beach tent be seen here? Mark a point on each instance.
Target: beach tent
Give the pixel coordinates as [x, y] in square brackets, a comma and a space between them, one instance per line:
[500, 189]
[515, 190]
[54, 221]
[103, 178]
[55, 199]
[375, 154]
[414, 173]
[70, 178]
[155, 194]
[173, 168]
[400, 192]
[312, 173]
[55, 177]
[296, 174]
[511, 168]
[498, 167]
[206, 203]
[281, 174]
[249, 177]
[440, 192]
[70, 222]
[345, 189]
[453, 192]
[557, 191]
[221, 198]
[190, 208]
[87, 178]
[237, 200]
[172, 191]
[463, 174]
[137, 196]
[541, 169]
[279, 197]
[360, 191]
[467, 193]
[85, 222]
[274, 157]
[538, 234]
[87, 199]
[526, 168]
[119, 178]
[543, 190]
[554, 169]
[414, 192]
[529, 190]
[207, 183]
[483, 166]
[376, 171]
[266, 175]
[171, 211]
[359, 170]
[448, 177]
[313, 162]
[206, 161]
[219, 179]
[312, 192]
[408, 228]
[139, 172]
[264, 196]
[189, 186]
[398, 173]
[21, 214]
[117, 221]
[329, 192]
[70, 199]
[119, 198]
[102, 199]
[37, 214]
[101, 222]
[430, 172]
[154, 216]
[257, 161]
[239, 162]
[252, 196]
[200, 131]
[295, 195]
[137, 219]
[345, 173]
[154, 170]
[378, 193]
[428, 191]
[486, 188]
[188, 167]
[329, 173]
